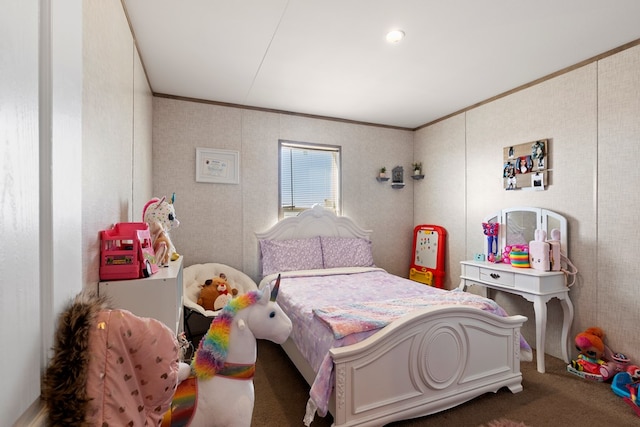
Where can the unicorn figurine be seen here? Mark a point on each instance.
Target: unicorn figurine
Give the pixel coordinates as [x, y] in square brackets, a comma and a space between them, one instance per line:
[160, 215]
[224, 363]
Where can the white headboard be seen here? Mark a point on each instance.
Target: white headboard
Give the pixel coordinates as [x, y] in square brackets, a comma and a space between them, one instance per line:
[316, 221]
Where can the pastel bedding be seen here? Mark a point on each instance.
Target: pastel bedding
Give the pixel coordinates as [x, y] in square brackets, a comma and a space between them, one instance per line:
[337, 307]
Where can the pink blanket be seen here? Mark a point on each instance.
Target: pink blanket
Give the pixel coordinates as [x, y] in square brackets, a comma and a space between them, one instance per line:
[366, 316]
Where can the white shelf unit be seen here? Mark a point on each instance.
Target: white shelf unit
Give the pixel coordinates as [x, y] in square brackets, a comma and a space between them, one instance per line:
[158, 296]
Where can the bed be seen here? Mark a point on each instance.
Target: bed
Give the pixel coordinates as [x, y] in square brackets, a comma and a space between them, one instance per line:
[375, 347]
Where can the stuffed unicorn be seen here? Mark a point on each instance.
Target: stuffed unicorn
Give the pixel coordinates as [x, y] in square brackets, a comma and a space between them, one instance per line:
[160, 215]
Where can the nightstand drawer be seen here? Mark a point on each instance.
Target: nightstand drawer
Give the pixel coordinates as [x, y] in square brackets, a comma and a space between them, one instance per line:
[502, 278]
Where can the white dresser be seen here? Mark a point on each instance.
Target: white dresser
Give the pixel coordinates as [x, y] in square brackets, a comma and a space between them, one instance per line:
[158, 296]
[535, 286]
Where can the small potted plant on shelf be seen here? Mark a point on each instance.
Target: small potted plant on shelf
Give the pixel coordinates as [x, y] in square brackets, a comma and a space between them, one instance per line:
[417, 168]
[383, 172]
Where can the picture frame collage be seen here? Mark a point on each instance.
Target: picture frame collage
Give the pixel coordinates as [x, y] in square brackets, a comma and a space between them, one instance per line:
[526, 166]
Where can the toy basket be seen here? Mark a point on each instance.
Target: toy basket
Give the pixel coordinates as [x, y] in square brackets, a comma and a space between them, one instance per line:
[121, 251]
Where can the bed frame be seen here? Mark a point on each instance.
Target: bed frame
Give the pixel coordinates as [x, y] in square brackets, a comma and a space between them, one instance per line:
[425, 362]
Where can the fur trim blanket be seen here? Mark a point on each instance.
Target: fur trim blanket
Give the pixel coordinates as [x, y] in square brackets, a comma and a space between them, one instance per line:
[109, 367]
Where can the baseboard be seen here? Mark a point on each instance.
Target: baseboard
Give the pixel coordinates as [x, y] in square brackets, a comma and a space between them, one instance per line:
[34, 416]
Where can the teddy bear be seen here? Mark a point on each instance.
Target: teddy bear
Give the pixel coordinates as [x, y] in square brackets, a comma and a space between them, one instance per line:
[216, 293]
[595, 357]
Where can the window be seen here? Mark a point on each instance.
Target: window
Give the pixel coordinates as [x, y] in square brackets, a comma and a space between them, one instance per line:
[309, 175]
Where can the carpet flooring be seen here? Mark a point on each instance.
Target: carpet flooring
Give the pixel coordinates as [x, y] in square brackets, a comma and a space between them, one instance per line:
[555, 398]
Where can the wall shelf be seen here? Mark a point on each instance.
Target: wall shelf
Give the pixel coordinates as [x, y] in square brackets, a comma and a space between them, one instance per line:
[416, 177]
[381, 179]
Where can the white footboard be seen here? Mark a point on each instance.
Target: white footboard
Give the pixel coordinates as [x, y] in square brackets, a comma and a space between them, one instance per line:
[426, 362]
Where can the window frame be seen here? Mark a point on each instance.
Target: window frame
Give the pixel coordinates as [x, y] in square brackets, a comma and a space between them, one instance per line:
[310, 146]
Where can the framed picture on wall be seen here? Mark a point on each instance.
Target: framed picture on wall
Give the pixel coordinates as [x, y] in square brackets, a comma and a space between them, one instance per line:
[217, 166]
[525, 166]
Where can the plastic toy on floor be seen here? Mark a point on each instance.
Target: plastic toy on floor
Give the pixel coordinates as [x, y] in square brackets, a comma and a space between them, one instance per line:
[595, 361]
[625, 384]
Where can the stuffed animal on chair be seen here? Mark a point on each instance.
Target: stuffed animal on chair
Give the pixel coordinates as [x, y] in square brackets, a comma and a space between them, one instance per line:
[216, 293]
[163, 212]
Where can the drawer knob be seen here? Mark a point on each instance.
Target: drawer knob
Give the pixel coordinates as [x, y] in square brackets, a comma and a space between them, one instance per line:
[494, 275]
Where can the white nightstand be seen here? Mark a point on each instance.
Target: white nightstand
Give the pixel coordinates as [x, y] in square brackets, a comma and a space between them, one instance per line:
[158, 296]
[533, 285]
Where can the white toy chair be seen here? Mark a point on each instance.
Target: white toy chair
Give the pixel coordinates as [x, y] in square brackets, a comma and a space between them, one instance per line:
[193, 278]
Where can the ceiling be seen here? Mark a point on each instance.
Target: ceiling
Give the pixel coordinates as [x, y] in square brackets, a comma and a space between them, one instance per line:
[330, 58]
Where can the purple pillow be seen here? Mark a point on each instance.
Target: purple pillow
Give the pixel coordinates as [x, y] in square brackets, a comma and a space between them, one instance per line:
[346, 252]
[288, 255]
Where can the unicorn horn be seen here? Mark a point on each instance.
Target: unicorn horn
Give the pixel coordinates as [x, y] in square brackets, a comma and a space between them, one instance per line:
[274, 291]
[173, 198]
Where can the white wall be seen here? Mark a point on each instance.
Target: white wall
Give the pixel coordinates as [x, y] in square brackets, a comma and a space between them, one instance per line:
[218, 221]
[107, 126]
[63, 231]
[142, 129]
[440, 199]
[591, 117]
[75, 123]
[116, 133]
[19, 227]
[614, 288]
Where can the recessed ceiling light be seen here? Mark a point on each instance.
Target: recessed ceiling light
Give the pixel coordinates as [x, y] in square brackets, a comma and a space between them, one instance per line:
[394, 36]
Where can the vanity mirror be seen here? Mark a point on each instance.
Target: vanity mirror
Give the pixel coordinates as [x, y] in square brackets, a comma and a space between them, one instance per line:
[518, 225]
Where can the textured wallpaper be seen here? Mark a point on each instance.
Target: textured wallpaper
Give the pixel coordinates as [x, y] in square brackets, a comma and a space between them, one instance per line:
[219, 221]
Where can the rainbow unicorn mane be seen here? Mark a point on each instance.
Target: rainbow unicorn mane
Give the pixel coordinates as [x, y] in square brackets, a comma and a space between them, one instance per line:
[214, 346]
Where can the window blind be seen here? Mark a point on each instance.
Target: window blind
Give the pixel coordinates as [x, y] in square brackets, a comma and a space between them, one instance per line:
[309, 175]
